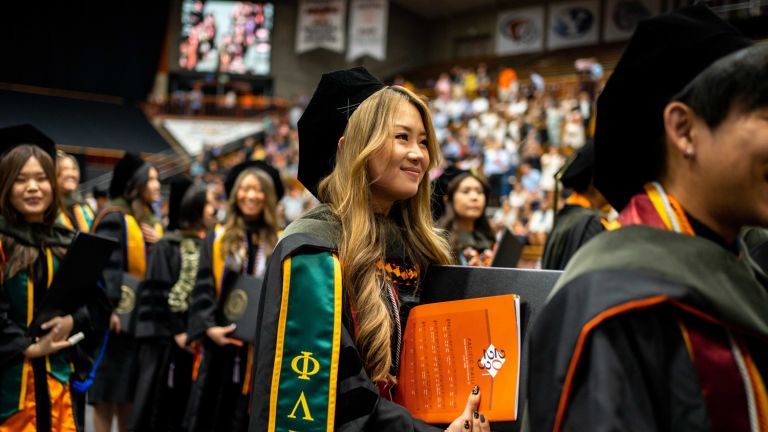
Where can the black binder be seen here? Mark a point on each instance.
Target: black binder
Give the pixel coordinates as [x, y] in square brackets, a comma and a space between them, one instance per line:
[446, 283]
[240, 305]
[75, 280]
[126, 308]
[508, 252]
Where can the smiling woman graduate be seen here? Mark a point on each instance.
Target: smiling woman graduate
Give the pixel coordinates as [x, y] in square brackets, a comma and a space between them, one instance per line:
[34, 372]
[663, 323]
[242, 245]
[343, 279]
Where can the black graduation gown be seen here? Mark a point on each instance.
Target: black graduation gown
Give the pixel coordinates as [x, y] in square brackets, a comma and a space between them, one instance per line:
[13, 338]
[574, 226]
[217, 401]
[359, 404]
[115, 379]
[607, 352]
[164, 369]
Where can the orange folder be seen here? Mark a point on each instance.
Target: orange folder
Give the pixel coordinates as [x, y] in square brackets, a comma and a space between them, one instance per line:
[451, 346]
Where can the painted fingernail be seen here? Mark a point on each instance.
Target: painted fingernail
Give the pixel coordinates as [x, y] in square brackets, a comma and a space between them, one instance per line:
[475, 390]
[475, 414]
[466, 424]
[482, 418]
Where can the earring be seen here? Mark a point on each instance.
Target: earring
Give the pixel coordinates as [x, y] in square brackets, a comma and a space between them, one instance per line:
[688, 154]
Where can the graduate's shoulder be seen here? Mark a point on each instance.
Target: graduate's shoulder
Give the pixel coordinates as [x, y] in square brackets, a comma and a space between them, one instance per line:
[318, 229]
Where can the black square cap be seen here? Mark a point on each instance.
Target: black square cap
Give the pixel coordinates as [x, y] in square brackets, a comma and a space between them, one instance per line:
[577, 173]
[665, 53]
[122, 173]
[235, 171]
[179, 185]
[335, 99]
[14, 136]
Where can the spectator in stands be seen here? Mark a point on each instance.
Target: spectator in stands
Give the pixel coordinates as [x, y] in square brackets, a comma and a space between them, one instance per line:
[471, 235]
[530, 178]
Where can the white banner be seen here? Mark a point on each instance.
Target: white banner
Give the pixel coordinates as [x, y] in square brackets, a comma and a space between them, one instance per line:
[622, 16]
[572, 24]
[368, 29]
[520, 31]
[321, 25]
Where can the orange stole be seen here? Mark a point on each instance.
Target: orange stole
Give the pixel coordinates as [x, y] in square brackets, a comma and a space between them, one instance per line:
[62, 416]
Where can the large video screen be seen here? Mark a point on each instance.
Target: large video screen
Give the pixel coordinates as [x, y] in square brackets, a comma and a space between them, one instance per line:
[226, 37]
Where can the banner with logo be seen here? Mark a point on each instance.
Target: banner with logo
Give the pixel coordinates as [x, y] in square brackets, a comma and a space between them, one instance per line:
[321, 25]
[622, 16]
[573, 24]
[520, 31]
[368, 29]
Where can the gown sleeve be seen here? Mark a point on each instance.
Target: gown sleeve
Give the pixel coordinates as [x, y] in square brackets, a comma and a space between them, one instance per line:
[203, 303]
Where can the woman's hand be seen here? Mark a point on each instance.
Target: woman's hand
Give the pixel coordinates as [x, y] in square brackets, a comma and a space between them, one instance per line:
[471, 419]
[65, 324]
[114, 324]
[219, 335]
[151, 235]
[181, 342]
[48, 344]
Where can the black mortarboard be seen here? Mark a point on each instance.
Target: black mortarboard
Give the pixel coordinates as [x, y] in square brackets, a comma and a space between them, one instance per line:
[179, 186]
[14, 136]
[234, 172]
[665, 53]
[122, 173]
[335, 99]
[577, 173]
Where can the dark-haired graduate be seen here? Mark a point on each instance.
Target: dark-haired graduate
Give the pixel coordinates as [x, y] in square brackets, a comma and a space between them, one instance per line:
[662, 325]
[129, 219]
[344, 277]
[582, 217]
[75, 213]
[34, 372]
[164, 359]
[242, 245]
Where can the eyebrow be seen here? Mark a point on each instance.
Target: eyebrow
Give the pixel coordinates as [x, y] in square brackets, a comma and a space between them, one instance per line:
[409, 129]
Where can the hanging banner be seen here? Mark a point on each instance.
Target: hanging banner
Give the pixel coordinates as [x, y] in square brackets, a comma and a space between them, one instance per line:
[622, 16]
[520, 31]
[572, 24]
[368, 29]
[321, 25]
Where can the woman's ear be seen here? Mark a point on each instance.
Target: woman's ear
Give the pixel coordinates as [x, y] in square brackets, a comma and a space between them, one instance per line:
[679, 128]
[341, 142]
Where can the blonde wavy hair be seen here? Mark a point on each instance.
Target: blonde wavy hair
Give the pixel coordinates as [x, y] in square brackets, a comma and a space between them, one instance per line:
[347, 192]
[233, 240]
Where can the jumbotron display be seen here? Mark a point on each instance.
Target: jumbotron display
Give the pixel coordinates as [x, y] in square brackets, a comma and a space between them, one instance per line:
[226, 37]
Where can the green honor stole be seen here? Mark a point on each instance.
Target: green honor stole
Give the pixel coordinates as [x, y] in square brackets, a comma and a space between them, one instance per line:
[303, 393]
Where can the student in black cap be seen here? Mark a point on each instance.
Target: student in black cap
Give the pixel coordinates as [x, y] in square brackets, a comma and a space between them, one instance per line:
[663, 324]
[343, 279]
[582, 217]
[164, 357]
[242, 245]
[131, 221]
[75, 213]
[34, 372]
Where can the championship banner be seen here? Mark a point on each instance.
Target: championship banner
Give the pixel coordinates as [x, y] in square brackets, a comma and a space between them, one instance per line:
[621, 17]
[321, 25]
[572, 24]
[520, 31]
[368, 29]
